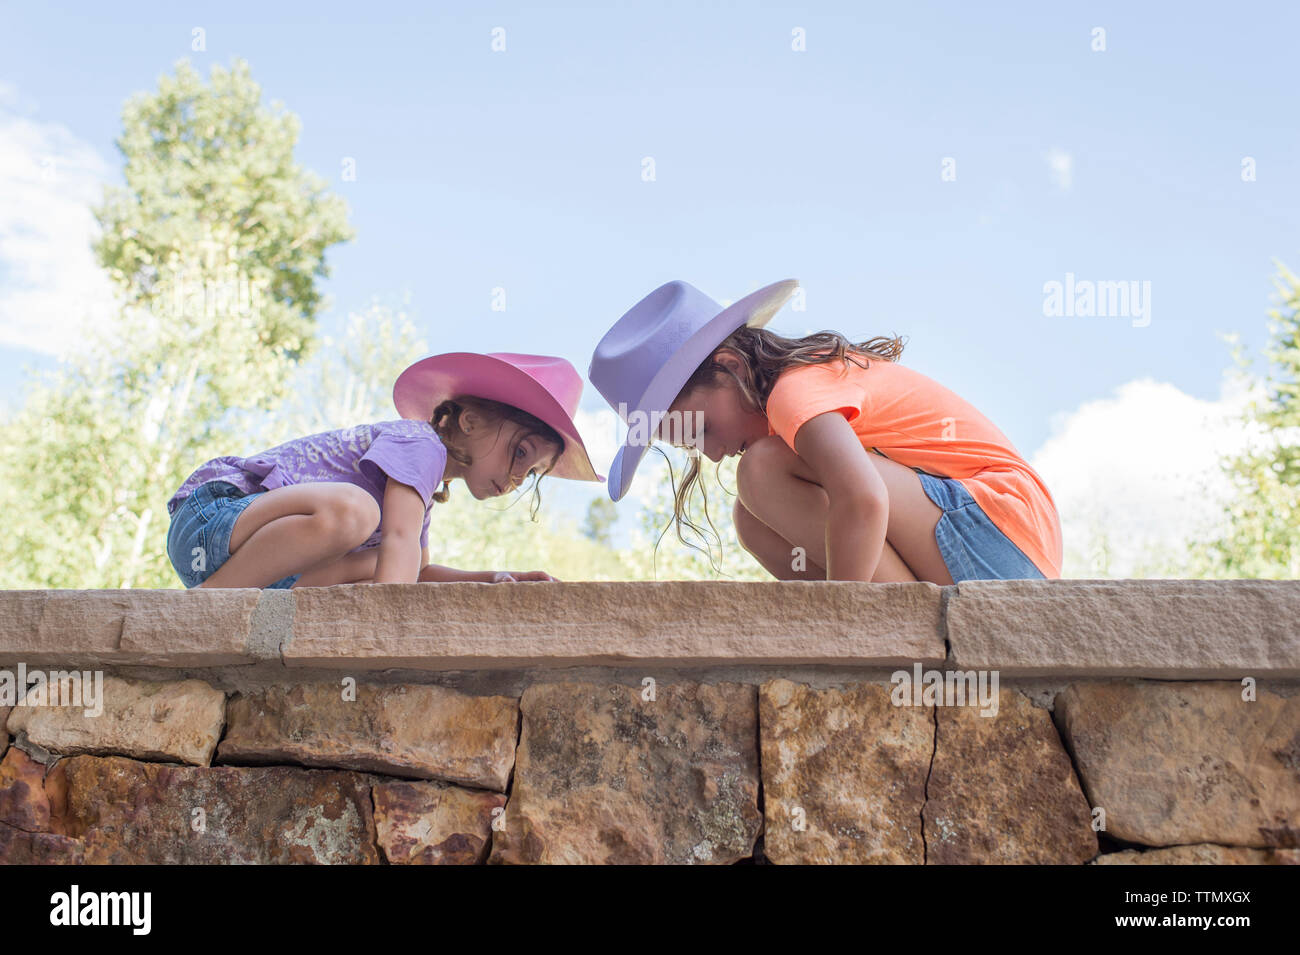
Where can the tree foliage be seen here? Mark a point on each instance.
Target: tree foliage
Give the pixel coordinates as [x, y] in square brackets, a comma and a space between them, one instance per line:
[1261, 526]
[213, 247]
[217, 221]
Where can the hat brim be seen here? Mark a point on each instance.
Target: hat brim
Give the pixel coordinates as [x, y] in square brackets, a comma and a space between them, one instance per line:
[421, 387]
[755, 310]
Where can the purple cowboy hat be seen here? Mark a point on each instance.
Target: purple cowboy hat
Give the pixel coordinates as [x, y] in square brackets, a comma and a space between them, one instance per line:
[642, 363]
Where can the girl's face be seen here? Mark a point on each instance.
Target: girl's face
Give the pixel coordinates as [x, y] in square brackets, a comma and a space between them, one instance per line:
[495, 469]
[722, 423]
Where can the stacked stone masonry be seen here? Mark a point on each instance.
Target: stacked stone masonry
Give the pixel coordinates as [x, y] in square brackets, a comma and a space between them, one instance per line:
[1133, 722]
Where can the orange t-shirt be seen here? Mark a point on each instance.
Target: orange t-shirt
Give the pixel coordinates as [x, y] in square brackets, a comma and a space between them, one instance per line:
[909, 418]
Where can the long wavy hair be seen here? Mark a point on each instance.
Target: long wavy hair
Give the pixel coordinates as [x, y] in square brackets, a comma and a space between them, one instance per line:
[764, 355]
[444, 423]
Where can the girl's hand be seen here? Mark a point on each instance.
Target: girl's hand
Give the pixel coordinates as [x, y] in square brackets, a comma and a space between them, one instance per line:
[504, 576]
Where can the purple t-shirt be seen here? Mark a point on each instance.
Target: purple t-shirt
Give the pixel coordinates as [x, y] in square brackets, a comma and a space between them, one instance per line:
[367, 455]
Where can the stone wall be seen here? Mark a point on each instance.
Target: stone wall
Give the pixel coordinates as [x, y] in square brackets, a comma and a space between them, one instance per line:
[1130, 722]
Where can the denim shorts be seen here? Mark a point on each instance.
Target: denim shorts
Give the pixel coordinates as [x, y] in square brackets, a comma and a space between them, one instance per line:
[972, 546]
[198, 541]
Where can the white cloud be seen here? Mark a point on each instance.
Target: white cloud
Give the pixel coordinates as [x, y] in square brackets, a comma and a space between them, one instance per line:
[1061, 165]
[1139, 472]
[50, 283]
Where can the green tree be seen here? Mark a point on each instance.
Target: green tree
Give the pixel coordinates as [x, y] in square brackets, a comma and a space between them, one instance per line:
[213, 248]
[217, 233]
[1261, 535]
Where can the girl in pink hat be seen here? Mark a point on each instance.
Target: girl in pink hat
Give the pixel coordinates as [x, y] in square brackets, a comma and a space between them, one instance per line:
[852, 465]
[353, 505]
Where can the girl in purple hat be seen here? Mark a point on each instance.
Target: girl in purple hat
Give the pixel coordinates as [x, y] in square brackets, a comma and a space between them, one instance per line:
[852, 466]
[353, 505]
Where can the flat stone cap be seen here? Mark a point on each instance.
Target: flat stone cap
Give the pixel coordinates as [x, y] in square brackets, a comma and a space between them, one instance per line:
[482, 626]
[1186, 629]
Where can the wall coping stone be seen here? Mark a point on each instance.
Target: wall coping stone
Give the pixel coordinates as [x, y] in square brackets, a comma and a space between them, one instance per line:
[1181, 629]
[1186, 629]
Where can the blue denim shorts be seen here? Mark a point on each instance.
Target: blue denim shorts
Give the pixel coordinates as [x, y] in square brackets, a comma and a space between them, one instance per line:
[198, 541]
[972, 546]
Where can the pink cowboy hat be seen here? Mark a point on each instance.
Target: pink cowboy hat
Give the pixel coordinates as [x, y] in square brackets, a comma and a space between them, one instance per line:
[548, 388]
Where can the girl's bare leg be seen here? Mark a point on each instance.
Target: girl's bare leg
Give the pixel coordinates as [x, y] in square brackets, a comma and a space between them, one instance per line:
[351, 568]
[295, 529]
[776, 554]
[780, 491]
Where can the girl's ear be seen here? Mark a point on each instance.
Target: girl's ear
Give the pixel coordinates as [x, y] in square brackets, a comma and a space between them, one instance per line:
[469, 420]
[727, 358]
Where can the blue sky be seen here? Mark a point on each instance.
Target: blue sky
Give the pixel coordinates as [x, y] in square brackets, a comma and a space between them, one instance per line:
[523, 169]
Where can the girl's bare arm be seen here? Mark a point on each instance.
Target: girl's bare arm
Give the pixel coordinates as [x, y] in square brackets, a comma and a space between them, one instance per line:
[857, 509]
[399, 545]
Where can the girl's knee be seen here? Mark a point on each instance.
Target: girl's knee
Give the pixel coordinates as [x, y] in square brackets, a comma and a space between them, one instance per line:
[761, 459]
[770, 451]
[351, 514]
